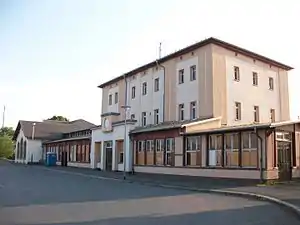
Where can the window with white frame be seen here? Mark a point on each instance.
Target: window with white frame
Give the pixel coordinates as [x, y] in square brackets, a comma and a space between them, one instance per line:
[116, 97]
[256, 113]
[236, 73]
[272, 115]
[140, 146]
[170, 149]
[254, 78]
[150, 146]
[144, 88]
[181, 76]
[156, 84]
[193, 151]
[249, 149]
[110, 99]
[215, 147]
[181, 112]
[159, 149]
[193, 73]
[159, 145]
[271, 83]
[193, 110]
[156, 116]
[231, 157]
[133, 92]
[144, 118]
[238, 111]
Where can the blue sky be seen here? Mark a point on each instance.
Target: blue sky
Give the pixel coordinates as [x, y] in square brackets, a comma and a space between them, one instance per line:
[54, 53]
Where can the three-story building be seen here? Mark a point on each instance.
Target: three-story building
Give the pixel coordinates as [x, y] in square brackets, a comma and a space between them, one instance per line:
[204, 111]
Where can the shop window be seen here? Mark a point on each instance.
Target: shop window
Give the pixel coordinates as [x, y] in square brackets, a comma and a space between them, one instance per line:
[249, 150]
[215, 150]
[193, 151]
[231, 157]
[170, 149]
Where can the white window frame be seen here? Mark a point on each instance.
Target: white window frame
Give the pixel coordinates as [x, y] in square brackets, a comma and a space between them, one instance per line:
[170, 148]
[159, 143]
[231, 148]
[149, 145]
[271, 83]
[144, 88]
[193, 74]
[181, 76]
[256, 113]
[110, 99]
[236, 75]
[144, 118]
[255, 78]
[181, 112]
[250, 147]
[213, 149]
[156, 116]
[133, 89]
[238, 111]
[193, 110]
[156, 84]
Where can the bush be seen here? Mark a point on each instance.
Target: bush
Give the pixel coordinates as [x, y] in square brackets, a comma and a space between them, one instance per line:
[6, 147]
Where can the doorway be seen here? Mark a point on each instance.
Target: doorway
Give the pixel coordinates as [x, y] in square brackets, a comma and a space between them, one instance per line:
[64, 158]
[108, 153]
[284, 160]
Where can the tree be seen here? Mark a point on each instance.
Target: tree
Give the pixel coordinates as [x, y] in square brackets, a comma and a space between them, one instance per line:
[9, 131]
[6, 146]
[59, 118]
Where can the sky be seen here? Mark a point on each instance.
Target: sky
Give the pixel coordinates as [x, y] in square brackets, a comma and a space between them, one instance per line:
[54, 53]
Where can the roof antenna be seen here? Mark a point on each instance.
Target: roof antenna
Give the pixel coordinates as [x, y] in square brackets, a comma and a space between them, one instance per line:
[159, 50]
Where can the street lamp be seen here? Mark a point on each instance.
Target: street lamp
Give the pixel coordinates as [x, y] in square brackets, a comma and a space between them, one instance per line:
[126, 108]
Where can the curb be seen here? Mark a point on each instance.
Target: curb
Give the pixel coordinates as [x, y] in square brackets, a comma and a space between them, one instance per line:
[286, 205]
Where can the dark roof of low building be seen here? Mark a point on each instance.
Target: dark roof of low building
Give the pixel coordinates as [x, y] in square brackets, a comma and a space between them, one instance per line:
[193, 47]
[51, 129]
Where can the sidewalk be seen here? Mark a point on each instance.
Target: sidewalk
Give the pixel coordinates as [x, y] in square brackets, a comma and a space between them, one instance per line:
[288, 192]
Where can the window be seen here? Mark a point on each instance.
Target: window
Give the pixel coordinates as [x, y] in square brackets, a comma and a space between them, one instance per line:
[156, 116]
[120, 147]
[271, 83]
[236, 73]
[254, 79]
[144, 118]
[193, 73]
[231, 157]
[133, 92]
[181, 112]
[149, 145]
[149, 152]
[116, 97]
[249, 149]
[193, 151]
[144, 88]
[215, 147]
[110, 99]
[159, 148]
[193, 110]
[156, 84]
[132, 116]
[256, 114]
[238, 111]
[272, 115]
[141, 146]
[170, 149]
[181, 76]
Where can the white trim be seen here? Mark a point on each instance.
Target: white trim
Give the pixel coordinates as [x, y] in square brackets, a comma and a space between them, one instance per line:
[201, 122]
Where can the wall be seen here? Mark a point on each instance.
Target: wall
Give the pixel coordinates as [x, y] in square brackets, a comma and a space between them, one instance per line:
[18, 140]
[35, 151]
[116, 134]
[244, 91]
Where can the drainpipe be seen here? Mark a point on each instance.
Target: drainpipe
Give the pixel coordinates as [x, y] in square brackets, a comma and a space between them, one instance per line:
[261, 155]
[33, 131]
[164, 68]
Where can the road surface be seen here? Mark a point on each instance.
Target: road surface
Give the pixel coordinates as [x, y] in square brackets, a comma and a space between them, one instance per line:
[34, 195]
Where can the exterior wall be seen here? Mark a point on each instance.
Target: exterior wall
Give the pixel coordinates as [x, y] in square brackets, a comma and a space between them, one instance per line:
[149, 102]
[244, 91]
[18, 140]
[99, 137]
[199, 90]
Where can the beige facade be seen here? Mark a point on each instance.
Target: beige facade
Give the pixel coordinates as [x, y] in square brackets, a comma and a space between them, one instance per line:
[206, 87]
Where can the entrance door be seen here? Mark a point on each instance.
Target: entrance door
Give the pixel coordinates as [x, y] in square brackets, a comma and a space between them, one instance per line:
[64, 158]
[284, 160]
[108, 151]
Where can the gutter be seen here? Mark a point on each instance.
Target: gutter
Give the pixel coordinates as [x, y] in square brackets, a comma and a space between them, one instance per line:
[261, 155]
[164, 96]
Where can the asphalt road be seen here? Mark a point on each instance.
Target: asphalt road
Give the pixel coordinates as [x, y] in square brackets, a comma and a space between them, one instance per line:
[34, 195]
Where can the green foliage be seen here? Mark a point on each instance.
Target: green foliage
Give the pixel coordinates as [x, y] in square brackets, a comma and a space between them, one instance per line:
[59, 118]
[6, 146]
[9, 131]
